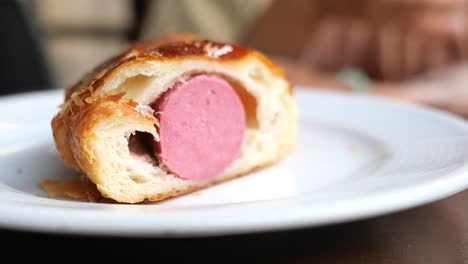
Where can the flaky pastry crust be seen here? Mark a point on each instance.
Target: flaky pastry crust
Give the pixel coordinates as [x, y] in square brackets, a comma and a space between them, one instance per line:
[94, 106]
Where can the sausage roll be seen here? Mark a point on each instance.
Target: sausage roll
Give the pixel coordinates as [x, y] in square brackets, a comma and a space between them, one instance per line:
[174, 115]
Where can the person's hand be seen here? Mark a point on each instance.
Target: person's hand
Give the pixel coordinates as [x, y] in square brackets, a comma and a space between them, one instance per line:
[445, 89]
[390, 39]
[300, 74]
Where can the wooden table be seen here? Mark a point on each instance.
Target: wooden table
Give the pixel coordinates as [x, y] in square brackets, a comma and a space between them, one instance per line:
[435, 233]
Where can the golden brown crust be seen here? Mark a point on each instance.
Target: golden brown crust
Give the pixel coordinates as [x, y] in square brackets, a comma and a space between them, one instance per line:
[170, 47]
[136, 50]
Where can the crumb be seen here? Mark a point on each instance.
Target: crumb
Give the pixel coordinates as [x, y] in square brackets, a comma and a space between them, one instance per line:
[197, 193]
[75, 189]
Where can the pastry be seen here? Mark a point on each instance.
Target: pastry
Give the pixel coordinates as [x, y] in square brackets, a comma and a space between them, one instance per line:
[174, 115]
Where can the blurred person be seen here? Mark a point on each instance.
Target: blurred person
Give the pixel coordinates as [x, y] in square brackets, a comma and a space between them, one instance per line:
[23, 66]
[51, 43]
[413, 50]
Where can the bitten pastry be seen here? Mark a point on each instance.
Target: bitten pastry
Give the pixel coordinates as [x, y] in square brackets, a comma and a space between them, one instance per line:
[174, 115]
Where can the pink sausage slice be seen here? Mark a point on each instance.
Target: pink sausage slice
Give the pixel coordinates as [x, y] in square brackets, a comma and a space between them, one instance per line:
[202, 127]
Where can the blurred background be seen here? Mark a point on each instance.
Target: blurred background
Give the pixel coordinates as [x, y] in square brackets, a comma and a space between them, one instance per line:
[410, 50]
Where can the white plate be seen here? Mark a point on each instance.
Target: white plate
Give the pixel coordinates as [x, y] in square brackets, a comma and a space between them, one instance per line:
[356, 157]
